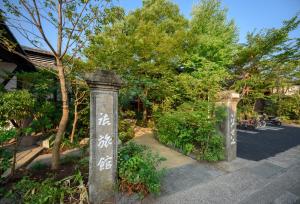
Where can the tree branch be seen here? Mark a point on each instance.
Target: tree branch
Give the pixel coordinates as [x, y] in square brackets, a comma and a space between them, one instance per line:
[37, 23]
[73, 29]
[59, 28]
[18, 28]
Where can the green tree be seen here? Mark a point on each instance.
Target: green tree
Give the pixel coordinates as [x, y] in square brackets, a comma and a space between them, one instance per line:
[144, 47]
[72, 21]
[212, 34]
[43, 86]
[79, 95]
[211, 46]
[267, 65]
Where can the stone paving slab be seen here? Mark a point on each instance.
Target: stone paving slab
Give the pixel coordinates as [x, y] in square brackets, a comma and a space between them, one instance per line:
[239, 187]
[287, 158]
[276, 188]
[185, 177]
[272, 180]
[295, 189]
[265, 170]
[225, 189]
[234, 165]
[286, 198]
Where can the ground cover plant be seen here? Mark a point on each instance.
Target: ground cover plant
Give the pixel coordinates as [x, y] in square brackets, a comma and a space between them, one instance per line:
[138, 170]
[40, 184]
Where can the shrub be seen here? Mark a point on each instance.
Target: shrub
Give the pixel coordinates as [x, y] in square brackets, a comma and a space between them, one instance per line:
[5, 157]
[6, 135]
[84, 162]
[67, 144]
[5, 153]
[126, 130]
[46, 117]
[16, 105]
[193, 129]
[138, 170]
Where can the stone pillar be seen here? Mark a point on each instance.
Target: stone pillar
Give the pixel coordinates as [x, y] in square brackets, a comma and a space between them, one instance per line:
[104, 86]
[229, 100]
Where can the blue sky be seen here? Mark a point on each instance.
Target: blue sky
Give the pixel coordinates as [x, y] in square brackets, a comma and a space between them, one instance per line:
[249, 15]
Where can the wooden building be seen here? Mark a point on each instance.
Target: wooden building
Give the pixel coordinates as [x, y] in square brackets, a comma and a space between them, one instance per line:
[20, 58]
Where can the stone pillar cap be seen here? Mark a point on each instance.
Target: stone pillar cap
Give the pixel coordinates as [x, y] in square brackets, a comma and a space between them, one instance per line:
[229, 95]
[103, 78]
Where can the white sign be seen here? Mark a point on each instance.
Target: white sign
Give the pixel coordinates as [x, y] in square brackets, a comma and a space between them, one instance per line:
[105, 163]
[104, 141]
[104, 119]
[232, 129]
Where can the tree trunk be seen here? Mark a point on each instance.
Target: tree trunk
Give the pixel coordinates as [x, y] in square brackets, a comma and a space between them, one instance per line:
[13, 166]
[64, 118]
[138, 104]
[145, 113]
[74, 122]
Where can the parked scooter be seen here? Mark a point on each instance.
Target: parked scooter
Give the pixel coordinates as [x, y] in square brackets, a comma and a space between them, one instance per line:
[252, 123]
[274, 121]
[247, 124]
[261, 122]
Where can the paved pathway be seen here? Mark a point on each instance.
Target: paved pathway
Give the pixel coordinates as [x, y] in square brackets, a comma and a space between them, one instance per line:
[272, 180]
[175, 159]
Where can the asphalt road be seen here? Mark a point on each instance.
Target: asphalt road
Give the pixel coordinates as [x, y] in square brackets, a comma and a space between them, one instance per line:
[266, 142]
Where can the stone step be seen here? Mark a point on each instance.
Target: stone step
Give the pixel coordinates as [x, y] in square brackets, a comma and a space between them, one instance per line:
[24, 158]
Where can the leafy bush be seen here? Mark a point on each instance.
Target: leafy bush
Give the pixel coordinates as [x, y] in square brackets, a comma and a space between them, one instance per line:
[138, 170]
[16, 105]
[84, 162]
[67, 144]
[192, 128]
[126, 130]
[5, 154]
[46, 117]
[289, 107]
[6, 135]
[5, 157]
